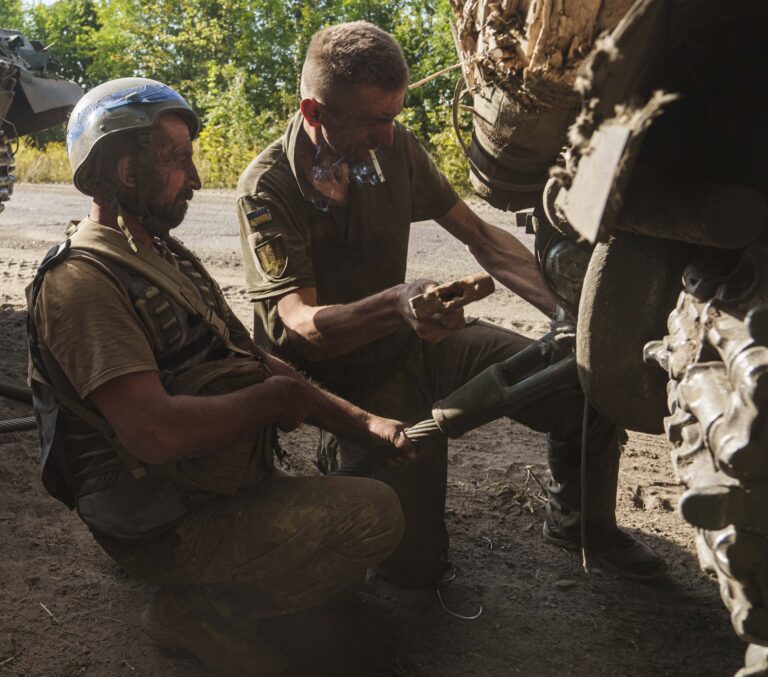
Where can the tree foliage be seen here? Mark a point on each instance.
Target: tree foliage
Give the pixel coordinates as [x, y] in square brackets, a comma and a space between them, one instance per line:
[238, 61]
[66, 27]
[12, 13]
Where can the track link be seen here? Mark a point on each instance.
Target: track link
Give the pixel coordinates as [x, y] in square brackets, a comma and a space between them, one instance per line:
[716, 355]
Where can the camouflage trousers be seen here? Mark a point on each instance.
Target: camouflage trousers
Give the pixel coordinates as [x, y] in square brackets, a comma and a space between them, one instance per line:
[408, 393]
[280, 547]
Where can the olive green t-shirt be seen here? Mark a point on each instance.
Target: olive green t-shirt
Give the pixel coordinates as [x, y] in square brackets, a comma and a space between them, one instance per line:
[89, 333]
[87, 324]
[346, 252]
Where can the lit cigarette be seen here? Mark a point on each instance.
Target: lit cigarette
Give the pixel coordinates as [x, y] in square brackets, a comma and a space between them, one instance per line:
[376, 165]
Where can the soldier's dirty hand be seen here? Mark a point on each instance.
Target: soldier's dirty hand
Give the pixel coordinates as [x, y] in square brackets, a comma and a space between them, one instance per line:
[435, 328]
[294, 404]
[392, 432]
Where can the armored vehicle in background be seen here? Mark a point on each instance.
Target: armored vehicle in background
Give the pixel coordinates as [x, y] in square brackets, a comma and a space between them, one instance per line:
[32, 98]
[634, 135]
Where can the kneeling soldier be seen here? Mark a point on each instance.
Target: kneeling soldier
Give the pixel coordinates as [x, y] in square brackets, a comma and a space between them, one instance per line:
[158, 415]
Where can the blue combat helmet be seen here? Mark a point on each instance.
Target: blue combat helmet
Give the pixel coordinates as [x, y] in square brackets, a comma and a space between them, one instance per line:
[118, 106]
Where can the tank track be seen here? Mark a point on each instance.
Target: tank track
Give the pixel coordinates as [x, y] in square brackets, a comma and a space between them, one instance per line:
[716, 355]
[7, 178]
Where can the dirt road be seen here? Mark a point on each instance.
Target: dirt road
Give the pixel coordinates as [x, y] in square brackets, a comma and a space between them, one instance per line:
[66, 609]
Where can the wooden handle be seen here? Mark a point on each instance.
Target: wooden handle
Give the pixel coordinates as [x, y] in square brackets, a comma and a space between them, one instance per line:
[451, 295]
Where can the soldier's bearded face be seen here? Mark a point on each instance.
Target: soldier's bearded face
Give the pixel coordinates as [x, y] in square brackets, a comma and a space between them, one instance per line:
[166, 213]
[173, 177]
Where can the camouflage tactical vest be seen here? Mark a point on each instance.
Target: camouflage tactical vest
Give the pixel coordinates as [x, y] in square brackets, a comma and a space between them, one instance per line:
[85, 466]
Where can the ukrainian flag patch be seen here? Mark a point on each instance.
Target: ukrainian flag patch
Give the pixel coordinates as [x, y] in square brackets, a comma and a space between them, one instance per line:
[258, 216]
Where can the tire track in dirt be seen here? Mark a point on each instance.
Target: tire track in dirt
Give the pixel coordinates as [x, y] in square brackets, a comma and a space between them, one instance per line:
[17, 269]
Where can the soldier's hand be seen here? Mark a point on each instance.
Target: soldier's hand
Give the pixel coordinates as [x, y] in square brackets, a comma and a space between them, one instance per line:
[392, 432]
[435, 328]
[294, 402]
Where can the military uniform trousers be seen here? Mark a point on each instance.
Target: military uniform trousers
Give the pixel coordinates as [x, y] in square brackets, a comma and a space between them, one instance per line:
[408, 393]
[282, 546]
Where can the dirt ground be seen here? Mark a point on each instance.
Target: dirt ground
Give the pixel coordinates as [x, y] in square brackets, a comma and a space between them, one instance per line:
[66, 609]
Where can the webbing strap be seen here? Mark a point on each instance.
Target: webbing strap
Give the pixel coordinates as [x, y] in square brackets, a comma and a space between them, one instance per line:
[111, 244]
[100, 424]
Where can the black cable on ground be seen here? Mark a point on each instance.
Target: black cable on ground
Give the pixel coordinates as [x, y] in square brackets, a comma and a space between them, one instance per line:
[14, 392]
[585, 563]
[13, 425]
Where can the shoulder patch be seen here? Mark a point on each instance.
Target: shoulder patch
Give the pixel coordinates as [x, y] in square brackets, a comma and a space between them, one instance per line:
[258, 216]
[271, 256]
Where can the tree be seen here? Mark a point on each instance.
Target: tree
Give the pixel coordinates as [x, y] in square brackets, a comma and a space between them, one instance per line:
[66, 27]
[424, 31]
[238, 61]
[12, 15]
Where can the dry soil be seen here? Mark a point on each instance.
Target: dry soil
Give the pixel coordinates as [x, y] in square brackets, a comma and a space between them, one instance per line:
[66, 609]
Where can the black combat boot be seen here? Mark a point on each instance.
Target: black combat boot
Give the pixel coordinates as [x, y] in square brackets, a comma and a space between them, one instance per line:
[608, 546]
[183, 619]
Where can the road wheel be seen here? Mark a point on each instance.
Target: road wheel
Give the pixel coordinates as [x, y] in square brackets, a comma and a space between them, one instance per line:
[630, 287]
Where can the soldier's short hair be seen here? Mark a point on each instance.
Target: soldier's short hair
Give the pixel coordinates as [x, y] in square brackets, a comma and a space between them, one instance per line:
[348, 55]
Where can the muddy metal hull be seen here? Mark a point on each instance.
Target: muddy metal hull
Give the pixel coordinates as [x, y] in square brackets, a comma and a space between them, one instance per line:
[663, 171]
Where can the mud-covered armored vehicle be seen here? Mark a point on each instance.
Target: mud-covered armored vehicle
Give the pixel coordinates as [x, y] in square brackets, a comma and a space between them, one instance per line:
[32, 98]
[635, 136]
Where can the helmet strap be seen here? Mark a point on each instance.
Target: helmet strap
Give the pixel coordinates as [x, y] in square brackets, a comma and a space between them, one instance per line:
[124, 228]
[143, 172]
[115, 204]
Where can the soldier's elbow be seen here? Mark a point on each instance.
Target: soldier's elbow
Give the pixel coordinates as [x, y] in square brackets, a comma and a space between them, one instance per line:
[304, 344]
[153, 444]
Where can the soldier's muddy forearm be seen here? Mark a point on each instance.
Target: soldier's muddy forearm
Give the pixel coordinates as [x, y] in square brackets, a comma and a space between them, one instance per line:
[338, 416]
[316, 332]
[319, 332]
[501, 254]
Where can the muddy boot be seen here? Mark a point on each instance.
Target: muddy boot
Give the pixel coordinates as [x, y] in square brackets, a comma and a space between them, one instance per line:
[182, 619]
[608, 546]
